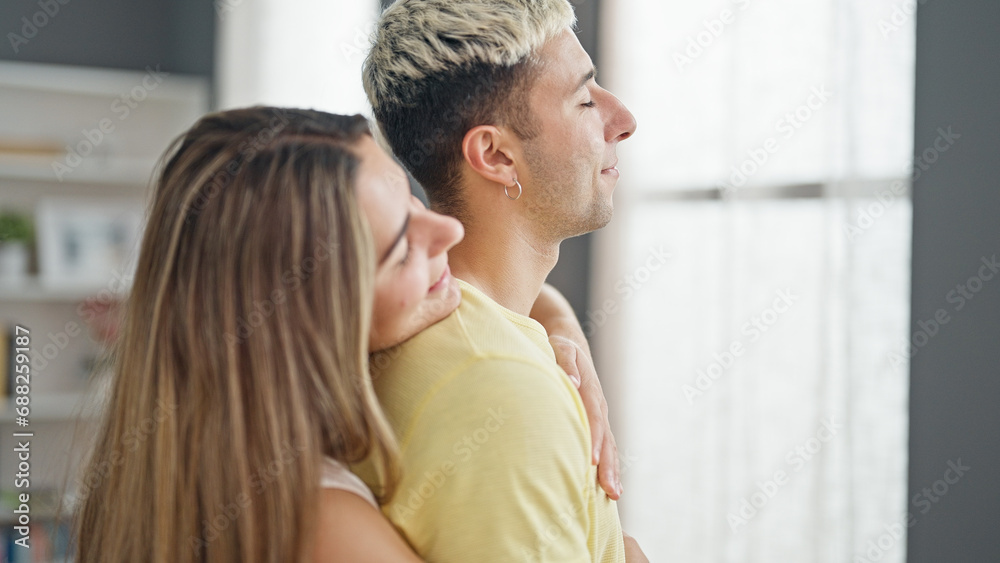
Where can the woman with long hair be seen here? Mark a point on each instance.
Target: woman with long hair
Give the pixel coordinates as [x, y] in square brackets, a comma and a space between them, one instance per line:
[241, 387]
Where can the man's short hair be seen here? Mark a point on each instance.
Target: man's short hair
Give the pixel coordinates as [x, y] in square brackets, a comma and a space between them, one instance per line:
[438, 68]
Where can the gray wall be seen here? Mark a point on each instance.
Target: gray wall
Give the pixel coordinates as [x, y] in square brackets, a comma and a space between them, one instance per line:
[955, 373]
[179, 35]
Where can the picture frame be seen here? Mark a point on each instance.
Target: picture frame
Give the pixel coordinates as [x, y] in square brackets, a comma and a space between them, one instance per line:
[86, 243]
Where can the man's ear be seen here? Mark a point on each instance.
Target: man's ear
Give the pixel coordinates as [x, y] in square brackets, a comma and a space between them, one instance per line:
[487, 150]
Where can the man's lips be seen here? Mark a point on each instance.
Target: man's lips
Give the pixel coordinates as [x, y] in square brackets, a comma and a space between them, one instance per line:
[442, 280]
[611, 170]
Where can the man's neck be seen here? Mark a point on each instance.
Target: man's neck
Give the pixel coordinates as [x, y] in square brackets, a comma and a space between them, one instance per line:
[504, 262]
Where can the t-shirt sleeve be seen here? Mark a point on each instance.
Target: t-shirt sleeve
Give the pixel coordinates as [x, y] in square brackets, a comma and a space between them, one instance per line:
[496, 468]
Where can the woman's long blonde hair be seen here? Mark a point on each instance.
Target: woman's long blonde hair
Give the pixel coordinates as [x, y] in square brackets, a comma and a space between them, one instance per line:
[243, 358]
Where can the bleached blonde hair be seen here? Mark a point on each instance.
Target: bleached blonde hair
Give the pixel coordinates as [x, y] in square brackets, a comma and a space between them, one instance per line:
[438, 68]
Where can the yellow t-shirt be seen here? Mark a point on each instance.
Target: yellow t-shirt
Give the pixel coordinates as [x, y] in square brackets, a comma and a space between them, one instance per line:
[495, 444]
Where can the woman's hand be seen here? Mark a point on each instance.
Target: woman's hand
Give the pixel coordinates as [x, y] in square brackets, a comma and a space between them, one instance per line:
[573, 355]
[579, 366]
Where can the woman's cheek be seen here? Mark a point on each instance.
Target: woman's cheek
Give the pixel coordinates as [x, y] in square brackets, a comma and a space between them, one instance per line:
[412, 289]
[396, 299]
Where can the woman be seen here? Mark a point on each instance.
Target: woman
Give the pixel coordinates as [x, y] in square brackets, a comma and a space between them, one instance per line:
[241, 384]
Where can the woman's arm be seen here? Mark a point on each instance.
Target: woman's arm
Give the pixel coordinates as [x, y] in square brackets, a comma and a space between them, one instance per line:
[573, 355]
[633, 554]
[350, 529]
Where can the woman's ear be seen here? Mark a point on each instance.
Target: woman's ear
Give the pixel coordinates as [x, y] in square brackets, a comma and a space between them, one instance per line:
[487, 151]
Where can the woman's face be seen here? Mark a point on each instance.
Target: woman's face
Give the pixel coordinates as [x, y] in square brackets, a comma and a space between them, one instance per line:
[414, 287]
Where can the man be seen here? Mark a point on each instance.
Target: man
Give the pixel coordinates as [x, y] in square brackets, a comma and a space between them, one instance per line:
[494, 109]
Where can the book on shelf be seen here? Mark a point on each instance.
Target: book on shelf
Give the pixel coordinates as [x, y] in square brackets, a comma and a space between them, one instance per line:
[48, 532]
[6, 360]
[47, 542]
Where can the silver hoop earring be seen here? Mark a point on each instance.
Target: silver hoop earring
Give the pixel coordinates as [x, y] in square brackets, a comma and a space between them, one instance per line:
[519, 190]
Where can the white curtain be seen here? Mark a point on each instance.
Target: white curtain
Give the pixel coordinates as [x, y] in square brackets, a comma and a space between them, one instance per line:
[297, 53]
[754, 284]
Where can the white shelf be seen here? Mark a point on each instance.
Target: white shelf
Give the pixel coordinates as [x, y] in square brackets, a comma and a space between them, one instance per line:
[8, 518]
[33, 291]
[55, 407]
[90, 81]
[96, 169]
[95, 126]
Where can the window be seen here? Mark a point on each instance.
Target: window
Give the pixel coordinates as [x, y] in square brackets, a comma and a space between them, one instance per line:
[300, 53]
[751, 296]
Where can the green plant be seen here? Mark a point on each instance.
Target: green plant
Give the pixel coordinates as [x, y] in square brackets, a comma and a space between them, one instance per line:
[15, 227]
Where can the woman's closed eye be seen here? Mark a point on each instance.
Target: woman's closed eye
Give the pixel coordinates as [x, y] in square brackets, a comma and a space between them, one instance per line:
[406, 255]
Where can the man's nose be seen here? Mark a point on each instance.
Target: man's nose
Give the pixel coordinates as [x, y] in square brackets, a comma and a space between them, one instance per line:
[622, 123]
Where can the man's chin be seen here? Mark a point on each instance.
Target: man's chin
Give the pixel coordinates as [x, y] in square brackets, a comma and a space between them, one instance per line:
[603, 221]
[605, 211]
[599, 218]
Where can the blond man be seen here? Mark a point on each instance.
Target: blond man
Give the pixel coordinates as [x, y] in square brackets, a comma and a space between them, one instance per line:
[494, 108]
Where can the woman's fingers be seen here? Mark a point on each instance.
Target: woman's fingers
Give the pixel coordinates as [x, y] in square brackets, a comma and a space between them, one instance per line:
[566, 356]
[579, 366]
[609, 467]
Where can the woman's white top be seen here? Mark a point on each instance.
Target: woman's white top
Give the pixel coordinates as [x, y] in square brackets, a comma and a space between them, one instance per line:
[337, 476]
